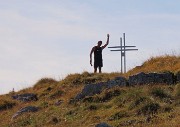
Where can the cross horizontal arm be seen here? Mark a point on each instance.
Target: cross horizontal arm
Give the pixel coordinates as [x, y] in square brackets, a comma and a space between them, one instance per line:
[125, 50]
[120, 46]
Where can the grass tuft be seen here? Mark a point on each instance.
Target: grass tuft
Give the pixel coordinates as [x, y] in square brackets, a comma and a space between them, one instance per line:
[149, 108]
[118, 116]
[159, 92]
[5, 105]
[138, 102]
[45, 81]
[177, 90]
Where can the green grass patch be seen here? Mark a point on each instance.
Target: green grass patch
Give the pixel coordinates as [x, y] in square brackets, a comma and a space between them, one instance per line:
[149, 108]
[118, 115]
[177, 90]
[138, 102]
[159, 92]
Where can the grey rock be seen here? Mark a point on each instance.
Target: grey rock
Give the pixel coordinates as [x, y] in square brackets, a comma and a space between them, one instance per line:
[25, 97]
[178, 77]
[142, 78]
[103, 125]
[118, 81]
[90, 90]
[24, 110]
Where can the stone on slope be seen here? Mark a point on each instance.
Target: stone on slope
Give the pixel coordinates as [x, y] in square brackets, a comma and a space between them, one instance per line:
[103, 125]
[142, 78]
[90, 90]
[24, 110]
[25, 97]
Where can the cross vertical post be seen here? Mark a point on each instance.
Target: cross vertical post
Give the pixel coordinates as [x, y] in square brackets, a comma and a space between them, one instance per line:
[124, 53]
[121, 54]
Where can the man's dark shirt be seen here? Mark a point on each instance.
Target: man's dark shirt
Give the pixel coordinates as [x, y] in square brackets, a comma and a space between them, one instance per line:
[98, 57]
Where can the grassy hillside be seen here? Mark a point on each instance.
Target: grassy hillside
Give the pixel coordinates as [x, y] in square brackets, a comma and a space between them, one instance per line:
[145, 105]
[158, 64]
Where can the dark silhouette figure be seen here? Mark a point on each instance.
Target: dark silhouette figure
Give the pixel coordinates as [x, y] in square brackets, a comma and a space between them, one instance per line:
[97, 50]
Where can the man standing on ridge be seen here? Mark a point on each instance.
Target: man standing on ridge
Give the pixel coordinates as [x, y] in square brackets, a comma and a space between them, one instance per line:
[98, 61]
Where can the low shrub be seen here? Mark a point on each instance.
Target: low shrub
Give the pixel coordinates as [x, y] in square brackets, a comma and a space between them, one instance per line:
[92, 107]
[149, 109]
[137, 102]
[167, 109]
[45, 81]
[117, 116]
[4, 105]
[108, 95]
[56, 94]
[159, 92]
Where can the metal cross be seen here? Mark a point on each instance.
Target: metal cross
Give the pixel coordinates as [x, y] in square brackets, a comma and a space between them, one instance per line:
[123, 49]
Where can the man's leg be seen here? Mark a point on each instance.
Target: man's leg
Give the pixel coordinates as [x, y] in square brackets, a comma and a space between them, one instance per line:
[99, 69]
[95, 69]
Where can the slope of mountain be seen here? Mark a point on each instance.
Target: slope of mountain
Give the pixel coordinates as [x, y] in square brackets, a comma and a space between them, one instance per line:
[50, 103]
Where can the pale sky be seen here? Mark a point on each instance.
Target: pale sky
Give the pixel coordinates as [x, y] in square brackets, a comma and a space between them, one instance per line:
[53, 38]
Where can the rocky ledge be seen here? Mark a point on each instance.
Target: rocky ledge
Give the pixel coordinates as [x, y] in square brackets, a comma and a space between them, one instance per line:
[138, 79]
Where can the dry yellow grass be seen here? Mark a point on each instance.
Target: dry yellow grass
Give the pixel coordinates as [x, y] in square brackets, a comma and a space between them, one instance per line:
[158, 64]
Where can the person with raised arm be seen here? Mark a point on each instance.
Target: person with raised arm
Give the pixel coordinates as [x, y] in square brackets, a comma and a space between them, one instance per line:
[97, 50]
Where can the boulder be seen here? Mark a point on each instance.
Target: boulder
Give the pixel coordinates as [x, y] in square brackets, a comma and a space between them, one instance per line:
[90, 90]
[103, 125]
[25, 97]
[24, 110]
[178, 77]
[142, 78]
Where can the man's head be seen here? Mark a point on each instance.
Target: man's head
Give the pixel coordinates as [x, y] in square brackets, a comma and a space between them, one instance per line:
[99, 43]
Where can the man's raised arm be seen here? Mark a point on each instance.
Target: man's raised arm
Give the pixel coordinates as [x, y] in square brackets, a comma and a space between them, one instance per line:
[104, 46]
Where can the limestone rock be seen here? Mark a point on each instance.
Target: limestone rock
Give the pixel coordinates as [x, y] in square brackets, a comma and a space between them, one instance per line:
[90, 90]
[142, 78]
[25, 97]
[24, 110]
[103, 125]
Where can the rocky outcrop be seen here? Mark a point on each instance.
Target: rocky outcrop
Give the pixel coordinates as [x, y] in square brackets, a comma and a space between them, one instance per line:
[103, 125]
[138, 79]
[24, 110]
[25, 97]
[142, 78]
[92, 89]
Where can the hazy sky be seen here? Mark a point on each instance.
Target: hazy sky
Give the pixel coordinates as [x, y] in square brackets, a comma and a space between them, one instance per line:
[53, 38]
